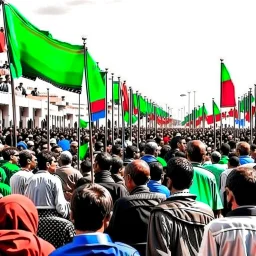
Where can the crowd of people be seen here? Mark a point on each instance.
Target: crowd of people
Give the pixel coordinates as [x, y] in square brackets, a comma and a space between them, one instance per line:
[173, 192]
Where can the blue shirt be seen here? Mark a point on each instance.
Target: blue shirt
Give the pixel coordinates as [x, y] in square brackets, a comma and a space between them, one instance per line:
[64, 144]
[149, 159]
[154, 186]
[245, 160]
[95, 244]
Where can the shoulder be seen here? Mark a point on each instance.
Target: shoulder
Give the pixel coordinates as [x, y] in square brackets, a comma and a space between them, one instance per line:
[203, 172]
[127, 249]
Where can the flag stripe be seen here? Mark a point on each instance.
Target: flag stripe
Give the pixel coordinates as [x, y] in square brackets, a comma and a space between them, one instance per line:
[98, 106]
[227, 94]
[98, 115]
[225, 76]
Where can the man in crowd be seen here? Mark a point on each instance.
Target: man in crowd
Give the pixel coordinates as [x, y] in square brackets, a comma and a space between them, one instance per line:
[151, 152]
[177, 144]
[131, 213]
[224, 150]
[243, 152]
[176, 225]
[235, 234]
[131, 153]
[94, 202]
[18, 181]
[34, 92]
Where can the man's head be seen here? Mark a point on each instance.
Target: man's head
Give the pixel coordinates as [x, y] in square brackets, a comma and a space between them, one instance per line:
[102, 162]
[241, 186]
[179, 174]
[196, 151]
[225, 149]
[156, 171]
[74, 146]
[47, 161]
[94, 202]
[178, 142]
[53, 142]
[85, 168]
[11, 154]
[132, 152]
[57, 150]
[233, 162]
[117, 166]
[215, 157]
[243, 148]
[136, 173]
[253, 151]
[27, 160]
[99, 146]
[117, 150]
[20, 85]
[151, 148]
[65, 158]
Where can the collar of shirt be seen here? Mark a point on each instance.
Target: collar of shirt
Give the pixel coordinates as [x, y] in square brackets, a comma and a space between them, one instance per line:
[246, 210]
[66, 166]
[92, 238]
[140, 189]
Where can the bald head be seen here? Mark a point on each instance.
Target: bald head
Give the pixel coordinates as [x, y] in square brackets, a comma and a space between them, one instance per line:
[139, 172]
[196, 151]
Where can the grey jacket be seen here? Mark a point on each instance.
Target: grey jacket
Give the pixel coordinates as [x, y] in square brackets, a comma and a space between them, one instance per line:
[176, 226]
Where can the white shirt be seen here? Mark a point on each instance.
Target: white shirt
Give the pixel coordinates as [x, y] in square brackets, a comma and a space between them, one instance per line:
[45, 191]
[19, 180]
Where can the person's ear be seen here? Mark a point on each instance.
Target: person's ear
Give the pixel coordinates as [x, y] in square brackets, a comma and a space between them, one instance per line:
[106, 220]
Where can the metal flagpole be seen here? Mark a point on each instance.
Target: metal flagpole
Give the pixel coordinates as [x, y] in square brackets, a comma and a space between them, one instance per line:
[78, 128]
[130, 112]
[14, 117]
[146, 100]
[189, 119]
[203, 118]
[123, 123]
[119, 104]
[48, 119]
[106, 109]
[89, 108]
[214, 124]
[234, 120]
[255, 106]
[239, 117]
[138, 100]
[113, 108]
[250, 114]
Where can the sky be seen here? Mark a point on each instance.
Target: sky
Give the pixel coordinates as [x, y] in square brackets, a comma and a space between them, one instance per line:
[162, 48]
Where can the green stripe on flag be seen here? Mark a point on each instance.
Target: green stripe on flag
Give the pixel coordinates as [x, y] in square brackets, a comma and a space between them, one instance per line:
[224, 73]
[83, 150]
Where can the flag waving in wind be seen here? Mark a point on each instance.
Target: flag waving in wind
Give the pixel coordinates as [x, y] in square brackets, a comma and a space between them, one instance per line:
[227, 93]
[35, 54]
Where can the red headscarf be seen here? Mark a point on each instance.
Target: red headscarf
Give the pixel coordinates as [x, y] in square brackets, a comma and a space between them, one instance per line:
[18, 227]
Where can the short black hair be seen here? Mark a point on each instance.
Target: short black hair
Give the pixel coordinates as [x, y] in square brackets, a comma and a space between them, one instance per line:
[116, 149]
[225, 149]
[92, 201]
[156, 171]
[8, 152]
[242, 182]
[24, 157]
[234, 161]
[130, 150]
[117, 163]
[54, 147]
[44, 157]
[82, 181]
[252, 147]
[98, 145]
[181, 172]
[104, 160]
[86, 166]
[174, 141]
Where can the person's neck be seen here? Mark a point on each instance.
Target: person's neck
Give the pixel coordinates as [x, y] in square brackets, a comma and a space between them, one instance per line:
[81, 232]
[26, 169]
[176, 191]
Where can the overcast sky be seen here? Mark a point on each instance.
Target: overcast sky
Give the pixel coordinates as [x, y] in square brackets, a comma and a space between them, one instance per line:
[162, 48]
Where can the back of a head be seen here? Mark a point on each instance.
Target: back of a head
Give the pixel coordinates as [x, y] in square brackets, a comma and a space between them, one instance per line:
[156, 171]
[225, 149]
[233, 161]
[181, 172]
[65, 158]
[139, 172]
[215, 156]
[174, 142]
[253, 147]
[104, 161]
[242, 182]
[92, 201]
[150, 148]
[43, 158]
[130, 151]
[243, 148]
[117, 164]
[142, 146]
[196, 150]
[98, 146]
[24, 156]
[85, 166]
[116, 149]
[164, 150]
[232, 144]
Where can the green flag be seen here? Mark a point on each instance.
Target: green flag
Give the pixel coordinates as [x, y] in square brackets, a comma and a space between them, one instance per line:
[116, 92]
[83, 150]
[83, 123]
[34, 53]
[127, 118]
[143, 105]
[216, 110]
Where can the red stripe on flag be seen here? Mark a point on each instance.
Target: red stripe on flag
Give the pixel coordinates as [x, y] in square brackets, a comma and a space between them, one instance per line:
[2, 42]
[227, 98]
[97, 106]
[126, 98]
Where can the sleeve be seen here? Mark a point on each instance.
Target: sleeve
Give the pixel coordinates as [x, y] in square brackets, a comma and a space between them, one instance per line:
[2, 175]
[60, 202]
[208, 246]
[158, 240]
[223, 180]
[217, 204]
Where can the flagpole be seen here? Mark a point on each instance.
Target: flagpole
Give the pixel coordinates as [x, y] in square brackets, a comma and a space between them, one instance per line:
[250, 114]
[78, 129]
[146, 100]
[245, 106]
[214, 124]
[189, 119]
[239, 117]
[203, 118]
[255, 107]
[234, 120]
[89, 109]
[112, 126]
[138, 101]
[106, 109]
[14, 117]
[221, 130]
[118, 109]
[130, 112]
[155, 114]
[123, 123]
[48, 119]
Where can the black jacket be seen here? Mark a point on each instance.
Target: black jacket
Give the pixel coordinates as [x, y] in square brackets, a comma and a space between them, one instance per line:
[116, 190]
[129, 222]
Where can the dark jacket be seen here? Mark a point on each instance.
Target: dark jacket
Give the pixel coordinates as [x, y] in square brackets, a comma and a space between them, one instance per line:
[118, 179]
[176, 226]
[129, 222]
[116, 190]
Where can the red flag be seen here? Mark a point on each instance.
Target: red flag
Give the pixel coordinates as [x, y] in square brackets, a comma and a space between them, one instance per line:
[233, 113]
[2, 41]
[247, 115]
[125, 97]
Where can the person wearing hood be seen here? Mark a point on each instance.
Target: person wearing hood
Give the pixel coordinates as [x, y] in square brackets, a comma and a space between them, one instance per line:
[18, 228]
